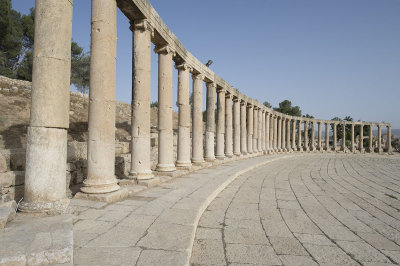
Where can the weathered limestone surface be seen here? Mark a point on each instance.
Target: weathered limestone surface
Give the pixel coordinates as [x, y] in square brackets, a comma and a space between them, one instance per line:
[220, 152]
[228, 126]
[197, 120]
[210, 123]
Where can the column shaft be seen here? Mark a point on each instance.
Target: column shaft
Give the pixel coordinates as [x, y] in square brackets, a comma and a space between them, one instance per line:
[361, 144]
[335, 148]
[255, 129]
[275, 139]
[294, 135]
[306, 142]
[243, 130]
[183, 156]
[320, 148]
[327, 125]
[344, 137]
[352, 138]
[380, 150]
[261, 134]
[279, 134]
[228, 126]
[236, 126]
[371, 145]
[46, 153]
[165, 131]
[389, 139]
[267, 132]
[197, 120]
[220, 152]
[101, 139]
[299, 141]
[288, 135]
[250, 129]
[210, 124]
[313, 135]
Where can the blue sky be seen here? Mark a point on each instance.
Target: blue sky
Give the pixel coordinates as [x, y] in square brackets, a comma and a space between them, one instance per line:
[330, 57]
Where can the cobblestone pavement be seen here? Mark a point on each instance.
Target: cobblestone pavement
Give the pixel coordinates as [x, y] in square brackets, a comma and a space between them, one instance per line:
[331, 209]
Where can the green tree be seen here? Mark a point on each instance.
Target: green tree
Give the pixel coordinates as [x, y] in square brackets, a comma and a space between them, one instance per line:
[80, 68]
[267, 104]
[286, 107]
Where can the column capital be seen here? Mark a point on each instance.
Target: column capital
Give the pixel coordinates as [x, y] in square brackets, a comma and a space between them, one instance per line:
[142, 25]
[198, 76]
[165, 49]
[228, 95]
[221, 90]
[236, 99]
[183, 66]
[243, 103]
[211, 85]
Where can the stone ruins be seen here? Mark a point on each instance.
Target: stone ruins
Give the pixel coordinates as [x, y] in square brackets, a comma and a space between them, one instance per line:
[244, 126]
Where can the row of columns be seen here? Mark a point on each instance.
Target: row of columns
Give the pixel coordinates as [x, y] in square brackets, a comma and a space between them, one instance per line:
[240, 128]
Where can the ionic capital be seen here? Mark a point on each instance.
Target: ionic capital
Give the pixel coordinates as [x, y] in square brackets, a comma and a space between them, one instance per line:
[243, 103]
[184, 66]
[211, 85]
[198, 77]
[142, 25]
[228, 96]
[237, 99]
[166, 49]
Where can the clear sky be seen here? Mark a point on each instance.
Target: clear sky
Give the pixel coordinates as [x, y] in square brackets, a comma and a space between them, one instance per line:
[330, 57]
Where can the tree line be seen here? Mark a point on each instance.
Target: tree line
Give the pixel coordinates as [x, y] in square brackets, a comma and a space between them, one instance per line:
[16, 48]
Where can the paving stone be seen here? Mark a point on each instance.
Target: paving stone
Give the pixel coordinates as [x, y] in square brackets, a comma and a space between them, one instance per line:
[362, 251]
[208, 252]
[162, 257]
[251, 236]
[297, 260]
[314, 239]
[251, 254]
[106, 255]
[287, 246]
[329, 254]
[207, 233]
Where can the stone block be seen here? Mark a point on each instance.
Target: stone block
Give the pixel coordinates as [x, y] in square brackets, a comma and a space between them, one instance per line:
[122, 147]
[76, 151]
[3, 164]
[12, 178]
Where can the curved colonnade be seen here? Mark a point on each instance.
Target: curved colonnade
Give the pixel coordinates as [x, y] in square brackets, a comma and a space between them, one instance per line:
[244, 127]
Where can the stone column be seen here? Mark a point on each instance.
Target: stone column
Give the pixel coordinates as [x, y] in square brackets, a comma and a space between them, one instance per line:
[165, 131]
[250, 129]
[313, 148]
[228, 126]
[255, 129]
[389, 140]
[184, 141]
[288, 147]
[361, 144]
[101, 139]
[267, 132]
[141, 76]
[320, 136]
[46, 153]
[327, 125]
[294, 134]
[335, 148]
[210, 123]
[261, 134]
[243, 130]
[352, 138]
[220, 152]
[279, 134]
[299, 146]
[306, 144]
[236, 126]
[197, 119]
[380, 150]
[275, 133]
[371, 145]
[344, 137]
[283, 142]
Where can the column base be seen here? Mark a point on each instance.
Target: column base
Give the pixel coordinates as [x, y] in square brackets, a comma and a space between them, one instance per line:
[54, 207]
[110, 197]
[220, 157]
[209, 159]
[229, 155]
[165, 167]
[146, 175]
[198, 161]
[183, 164]
[99, 188]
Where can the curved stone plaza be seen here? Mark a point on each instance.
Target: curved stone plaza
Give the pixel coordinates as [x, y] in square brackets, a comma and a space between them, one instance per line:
[245, 185]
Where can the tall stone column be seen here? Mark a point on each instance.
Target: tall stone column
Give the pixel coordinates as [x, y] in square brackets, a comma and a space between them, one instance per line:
[283, 141]
[288, 147]
[294, 134]
[371, 145]
[275, 133]
[267, 132]
[327, 148]
[243, 130]
[389, 140]
[255, 129]
[335, 147]
[184, 141]
[306, 142]
[261, 131]
[313, 148]
[361, 144]
[250, 129]
[320, 148]
[197, 120]
[352, 138]
[46, 153]
[220, 151]
[228, 126]
[165, 130]
[210, 123]
[141, 76]
[380, 150]
[236, 126]
[279, 133]
[344, 137]
[299, 146]
[101, 140]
